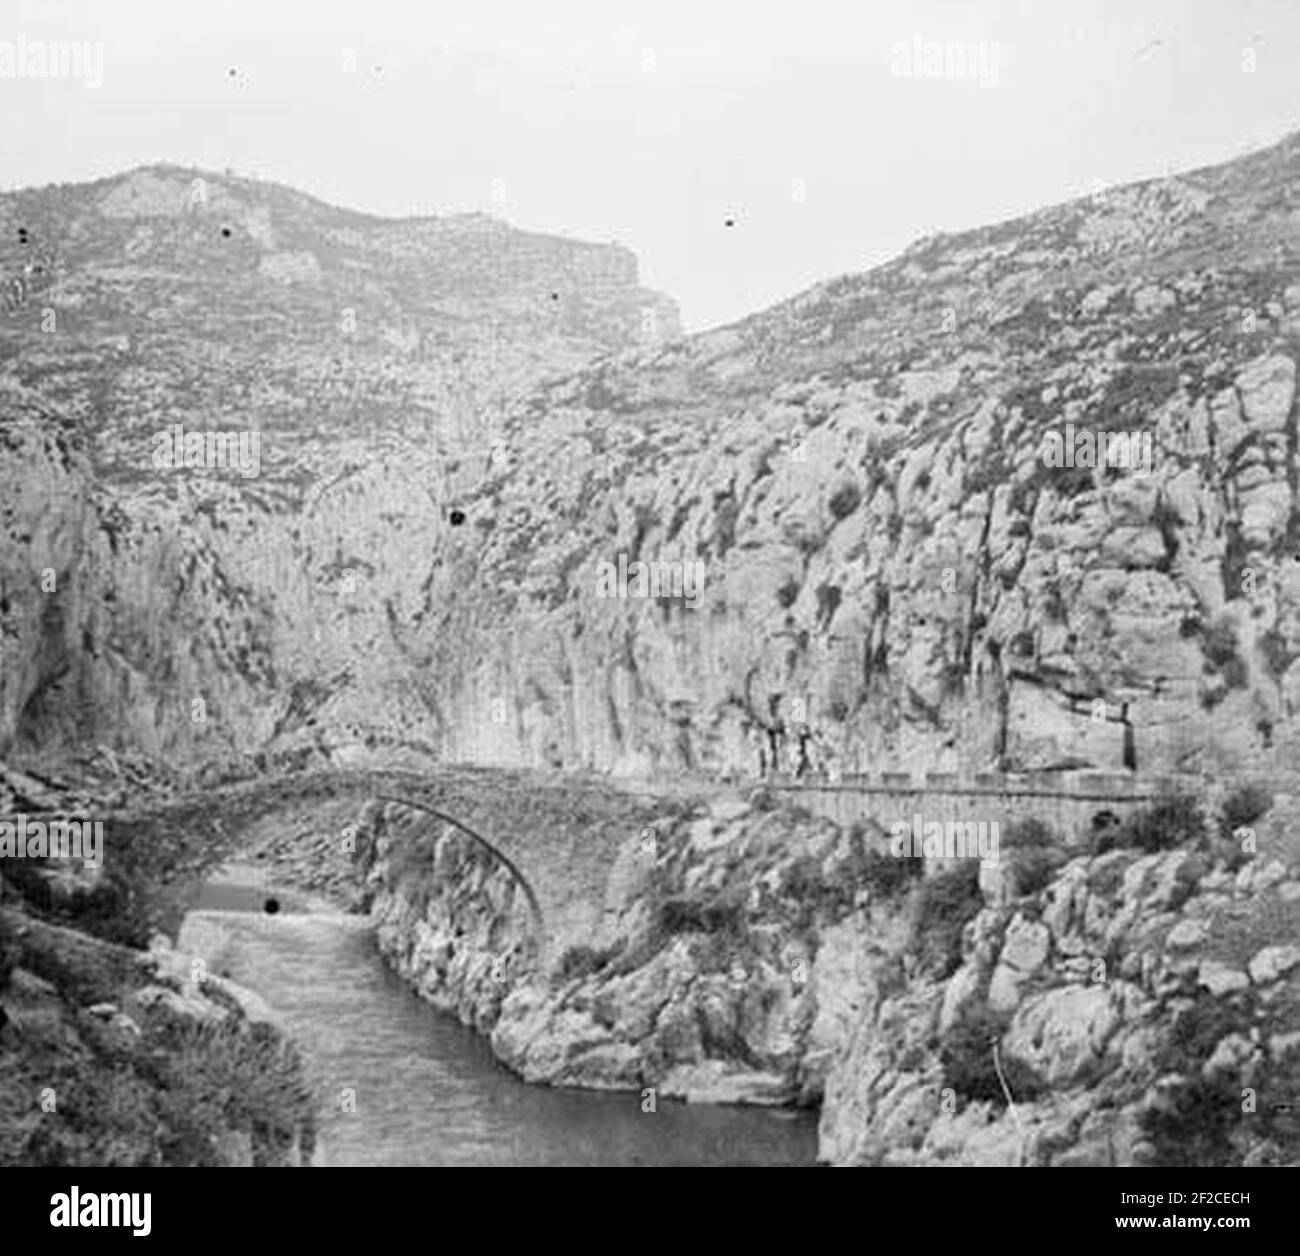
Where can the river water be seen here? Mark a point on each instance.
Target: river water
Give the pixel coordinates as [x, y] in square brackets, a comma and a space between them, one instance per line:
[428, 1090]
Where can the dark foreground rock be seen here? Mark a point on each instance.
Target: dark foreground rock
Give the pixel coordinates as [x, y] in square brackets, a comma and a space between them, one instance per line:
[116, 1055]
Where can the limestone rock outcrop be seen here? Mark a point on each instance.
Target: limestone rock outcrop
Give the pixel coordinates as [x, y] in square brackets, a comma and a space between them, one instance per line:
[895, 573]
[895, 569]
[208, 611]
[1128, 1008]
[1149, 1021]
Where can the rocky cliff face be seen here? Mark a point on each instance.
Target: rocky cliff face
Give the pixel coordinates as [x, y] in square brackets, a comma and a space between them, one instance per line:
[896, 567]
[370, 359]
[1138, 1009]
[1056, 1007]
[894, 571]
[697, 981]
[48, 526]
[457, 427]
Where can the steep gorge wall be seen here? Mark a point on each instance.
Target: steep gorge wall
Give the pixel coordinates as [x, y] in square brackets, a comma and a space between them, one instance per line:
[450, 920]
[1128, 1000]
[694, 980]
[49, 521]
[895, 576]
[370, 358]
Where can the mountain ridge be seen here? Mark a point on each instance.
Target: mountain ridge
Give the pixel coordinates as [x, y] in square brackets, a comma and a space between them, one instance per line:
[830, 458]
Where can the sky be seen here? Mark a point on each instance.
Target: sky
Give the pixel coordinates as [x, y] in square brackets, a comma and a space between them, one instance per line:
[743, 150]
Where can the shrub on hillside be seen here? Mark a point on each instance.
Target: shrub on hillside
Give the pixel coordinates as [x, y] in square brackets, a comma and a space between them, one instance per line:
[1244, 806]
[1235, 673]
[1169, 822]
[1220, 643]
[803, 883]
[942, 906]
[1034, 868]
[171, 1099]
[1034, 853]
[231, 1075]
[1191, 1127]
[1191, 1123]
[971, 1068]
[583, 961]
[720, 914]
[845, 500]
[887, 876]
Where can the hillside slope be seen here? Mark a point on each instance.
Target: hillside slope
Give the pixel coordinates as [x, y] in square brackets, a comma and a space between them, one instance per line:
[894, 575]
[369, 357]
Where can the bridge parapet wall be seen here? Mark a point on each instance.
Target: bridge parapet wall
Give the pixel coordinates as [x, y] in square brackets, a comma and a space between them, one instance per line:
[1065, 801]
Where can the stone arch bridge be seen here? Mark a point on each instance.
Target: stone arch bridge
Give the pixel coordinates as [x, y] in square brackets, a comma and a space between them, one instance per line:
[560, 834]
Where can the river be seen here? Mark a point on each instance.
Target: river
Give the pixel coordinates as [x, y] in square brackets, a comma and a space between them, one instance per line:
[428, 1090]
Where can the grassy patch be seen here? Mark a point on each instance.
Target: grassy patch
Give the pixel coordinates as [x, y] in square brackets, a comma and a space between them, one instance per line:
[171, 1097]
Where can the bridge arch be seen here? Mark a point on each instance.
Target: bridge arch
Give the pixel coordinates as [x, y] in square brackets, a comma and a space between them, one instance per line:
[534, 906]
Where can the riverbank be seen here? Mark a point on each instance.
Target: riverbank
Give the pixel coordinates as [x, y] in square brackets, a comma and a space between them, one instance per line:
[114, 1056]
[115, 1048]
[1076, 1004]
[398, 1082]
[1094, 1001]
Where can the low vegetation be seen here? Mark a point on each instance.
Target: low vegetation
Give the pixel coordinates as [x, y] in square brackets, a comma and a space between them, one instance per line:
[584, 961]
[1169, 822]
[88, 1085]
[970, 1056]
[888, 876]
[942, 906]
[1033, 853]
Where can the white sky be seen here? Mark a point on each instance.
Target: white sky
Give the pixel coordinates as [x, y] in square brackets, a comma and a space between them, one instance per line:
[744, 97]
